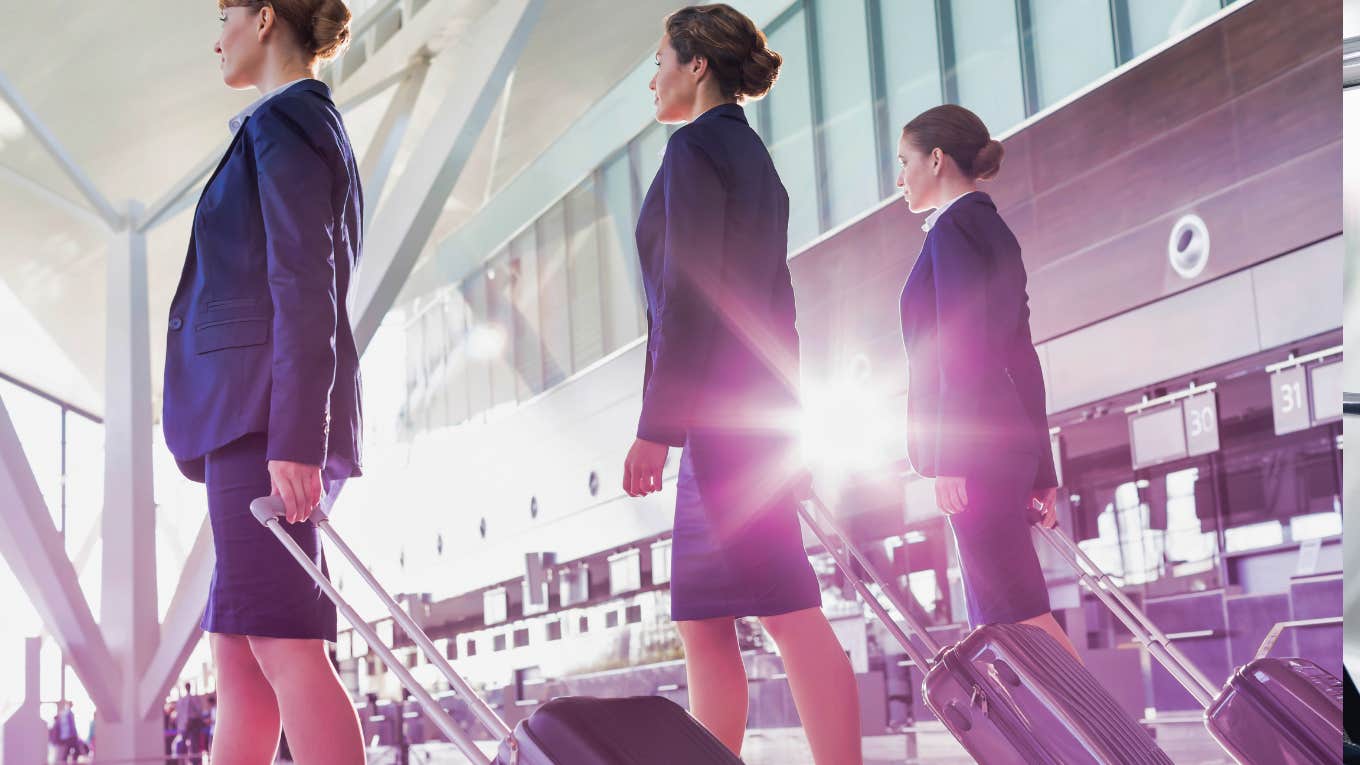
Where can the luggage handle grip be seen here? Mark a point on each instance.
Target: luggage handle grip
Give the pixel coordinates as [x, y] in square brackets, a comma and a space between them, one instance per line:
[266, 509]
[1274, 635]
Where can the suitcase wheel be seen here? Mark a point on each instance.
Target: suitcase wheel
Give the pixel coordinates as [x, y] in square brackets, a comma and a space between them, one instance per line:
[957, 718]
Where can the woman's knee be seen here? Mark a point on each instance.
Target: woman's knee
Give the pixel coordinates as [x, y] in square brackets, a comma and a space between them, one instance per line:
[281, 657]
[781, 626]
[707, 634]
[232, 654]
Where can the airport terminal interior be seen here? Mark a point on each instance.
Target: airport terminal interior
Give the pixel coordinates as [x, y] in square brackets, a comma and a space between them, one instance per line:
[1170, 173]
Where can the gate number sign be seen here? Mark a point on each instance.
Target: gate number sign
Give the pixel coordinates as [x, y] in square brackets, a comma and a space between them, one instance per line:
[1290, 400]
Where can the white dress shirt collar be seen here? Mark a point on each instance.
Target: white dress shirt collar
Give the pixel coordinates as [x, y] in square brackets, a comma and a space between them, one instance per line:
[234, 124]
[935, 216]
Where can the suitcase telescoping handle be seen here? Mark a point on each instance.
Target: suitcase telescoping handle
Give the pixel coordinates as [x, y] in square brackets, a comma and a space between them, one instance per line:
[815, 514]
[269, 511]
[1128, 612]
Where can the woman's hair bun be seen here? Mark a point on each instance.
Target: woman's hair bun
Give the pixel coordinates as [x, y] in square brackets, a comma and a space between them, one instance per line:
[988, 160]
[330, 29]
[760, 70]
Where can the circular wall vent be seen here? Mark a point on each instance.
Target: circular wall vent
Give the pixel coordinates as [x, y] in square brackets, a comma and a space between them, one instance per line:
[1188, 247]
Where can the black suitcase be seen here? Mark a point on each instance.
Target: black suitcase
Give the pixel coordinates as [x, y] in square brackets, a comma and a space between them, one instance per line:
[645, 730]
[1269, 712]
[1009, 693]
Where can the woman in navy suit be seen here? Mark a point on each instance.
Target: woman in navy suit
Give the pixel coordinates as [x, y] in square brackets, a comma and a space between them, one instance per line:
[976, 412]
[262, 378]
[721, 381]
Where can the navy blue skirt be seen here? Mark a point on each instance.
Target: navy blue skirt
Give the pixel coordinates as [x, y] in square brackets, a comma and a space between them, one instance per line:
[732, 561]
[257, 587]
[1003, 581]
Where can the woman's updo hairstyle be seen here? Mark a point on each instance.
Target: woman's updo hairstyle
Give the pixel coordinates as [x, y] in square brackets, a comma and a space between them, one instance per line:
[959, 133]
[321, 26]
[738, 56]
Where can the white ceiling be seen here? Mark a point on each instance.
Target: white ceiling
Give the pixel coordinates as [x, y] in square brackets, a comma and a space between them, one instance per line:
[132, 93]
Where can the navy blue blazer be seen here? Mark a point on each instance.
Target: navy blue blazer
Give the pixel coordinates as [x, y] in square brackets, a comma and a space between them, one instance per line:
[712, 236]
[976, 391]
[259, 337]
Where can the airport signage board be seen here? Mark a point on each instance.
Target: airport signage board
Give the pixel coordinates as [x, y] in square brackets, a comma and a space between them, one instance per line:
[1289, 398]
[1201, 423]
[1185, 427]
[1157, 436]
[1325, 383]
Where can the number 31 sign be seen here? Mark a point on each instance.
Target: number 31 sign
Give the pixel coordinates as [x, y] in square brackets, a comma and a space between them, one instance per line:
[1289, 395]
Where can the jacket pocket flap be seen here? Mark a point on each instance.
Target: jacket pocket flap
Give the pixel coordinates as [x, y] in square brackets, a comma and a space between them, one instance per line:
[236, 333]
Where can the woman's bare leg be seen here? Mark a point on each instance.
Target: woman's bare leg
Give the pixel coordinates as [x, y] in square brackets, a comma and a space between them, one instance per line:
[1048, 624]
[716, 677]
[322, 726]
[247, 712]
[823, 684]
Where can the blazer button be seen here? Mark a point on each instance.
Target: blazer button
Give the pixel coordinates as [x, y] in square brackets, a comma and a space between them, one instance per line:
[176, 323]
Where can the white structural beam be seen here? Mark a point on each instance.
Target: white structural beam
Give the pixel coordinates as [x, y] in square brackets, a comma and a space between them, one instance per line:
[110, 216]
[51, 197]
[23, 735]
[486, 56]
[180, 632]
[128, 608]
[377, 162]
[31, 544]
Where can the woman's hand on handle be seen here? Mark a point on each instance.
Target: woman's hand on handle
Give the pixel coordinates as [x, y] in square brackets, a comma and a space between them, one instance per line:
[642, 468]
[951, 495]
[1044, 502]
[299, 485]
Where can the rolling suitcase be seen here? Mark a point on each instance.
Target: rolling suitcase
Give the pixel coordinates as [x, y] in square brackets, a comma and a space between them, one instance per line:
[1270, 712]
[1008, 692]
[564, 731]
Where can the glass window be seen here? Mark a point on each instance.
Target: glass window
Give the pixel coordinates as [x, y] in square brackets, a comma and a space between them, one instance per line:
[987, 61]
[789, 107]
[1191, 544]
[647, 150]
[524, 294]
[414, 373]
[624, 312]
[1152, 22]
[847, 118]
[911, 71]
[479, 349]
[433, 352]
[500, 329]
[583, 258]
[455, 328]
[554, 317]
[1073, 45]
